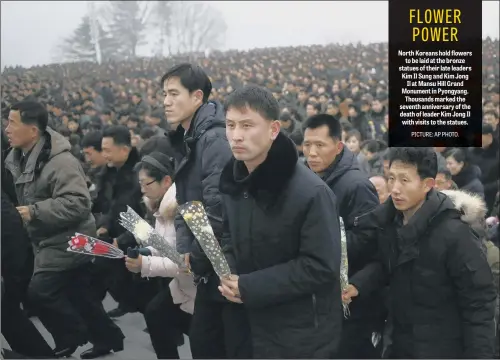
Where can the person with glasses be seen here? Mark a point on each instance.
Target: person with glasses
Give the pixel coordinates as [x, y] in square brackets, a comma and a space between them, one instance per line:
[170, 311]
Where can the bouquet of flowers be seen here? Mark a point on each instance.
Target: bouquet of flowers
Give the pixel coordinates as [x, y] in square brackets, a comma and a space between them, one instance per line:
[87, 245]
[195, 217]
[344, 278]
[146, 235]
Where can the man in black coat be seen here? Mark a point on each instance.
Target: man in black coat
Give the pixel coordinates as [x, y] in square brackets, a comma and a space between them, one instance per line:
[284, 246]
[442, 297]
[17, 269]
[356, 196]
[487, 158]
[118, 187]
[201, 150]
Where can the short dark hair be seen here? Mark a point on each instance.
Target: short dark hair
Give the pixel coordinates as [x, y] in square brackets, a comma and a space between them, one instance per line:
[119, 133]
[297, 137]
[192, 77]
[32, 113]
[491, 112]
[93, 139]
[353, 132]
[445, 172]
[134, 118]
[147, 133]
[165, 161]
[460, 155]
[487, 129]
[423, 158]
[257, 98]
[373, 145]
[316, 121]
[64, 131]
[156, 143]
[315, 106]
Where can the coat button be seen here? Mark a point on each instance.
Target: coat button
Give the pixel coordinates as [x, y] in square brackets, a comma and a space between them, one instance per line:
[245, 195]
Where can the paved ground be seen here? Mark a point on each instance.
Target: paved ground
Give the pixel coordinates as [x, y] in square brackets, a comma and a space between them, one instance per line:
[137, 342]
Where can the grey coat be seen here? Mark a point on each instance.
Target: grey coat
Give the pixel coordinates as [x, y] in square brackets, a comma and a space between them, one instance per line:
[53, 186]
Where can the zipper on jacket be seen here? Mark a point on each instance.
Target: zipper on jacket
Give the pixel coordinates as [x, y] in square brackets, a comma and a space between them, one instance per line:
[213, 217]
[314, 311]
[356, 219]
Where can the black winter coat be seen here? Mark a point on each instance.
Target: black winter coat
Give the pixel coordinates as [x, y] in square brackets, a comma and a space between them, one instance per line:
[469, 179]
[488, 160]
[17, 251]
[442, 296]
[200, 155]
[285, 247]
[356, 196]
[116, 189]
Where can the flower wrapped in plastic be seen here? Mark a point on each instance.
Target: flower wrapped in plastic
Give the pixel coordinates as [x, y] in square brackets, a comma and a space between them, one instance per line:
[196, 219]
[146, 235]
[87, 245]
[344, 265]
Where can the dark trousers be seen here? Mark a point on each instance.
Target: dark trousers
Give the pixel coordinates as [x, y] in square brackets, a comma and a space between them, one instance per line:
[356, 341]
[21, 334]
[130, 291]
[219, 329]
[69, 310]
[165, 320]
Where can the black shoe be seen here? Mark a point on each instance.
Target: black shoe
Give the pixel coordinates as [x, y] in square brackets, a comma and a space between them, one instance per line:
[118, 312]
[101, 350]
[65, 351]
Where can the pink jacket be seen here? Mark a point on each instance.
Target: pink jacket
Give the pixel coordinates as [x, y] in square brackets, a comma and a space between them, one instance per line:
[182, 286]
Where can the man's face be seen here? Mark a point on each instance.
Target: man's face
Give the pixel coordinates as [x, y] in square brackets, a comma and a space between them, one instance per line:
[320, 149]
[152, 121]
[94, 157]
[310, 110]
[381, 186]
[250, 135]
[302, 96]
[115, 155]
[442, 183]
[332, 109]
[20, 135]
[487, 139]
[132, 124]
[376, 106]
[73, 126]
[135, 99]
[179, 104]
[491, 119]
[489, 106]
[352, 112]
[406, 187]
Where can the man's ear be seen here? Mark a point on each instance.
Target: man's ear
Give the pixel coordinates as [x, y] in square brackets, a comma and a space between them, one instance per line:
[429, 183]
[275, 129]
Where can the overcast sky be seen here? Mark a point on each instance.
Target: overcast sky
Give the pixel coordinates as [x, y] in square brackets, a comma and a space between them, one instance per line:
[31, 30]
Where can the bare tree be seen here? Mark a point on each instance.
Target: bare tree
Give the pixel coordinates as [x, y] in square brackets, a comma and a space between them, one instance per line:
[161, 23]
[196, 27]
[80, 46]
[126, 22]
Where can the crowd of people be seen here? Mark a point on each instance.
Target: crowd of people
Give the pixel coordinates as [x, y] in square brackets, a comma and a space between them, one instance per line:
[287, 149]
